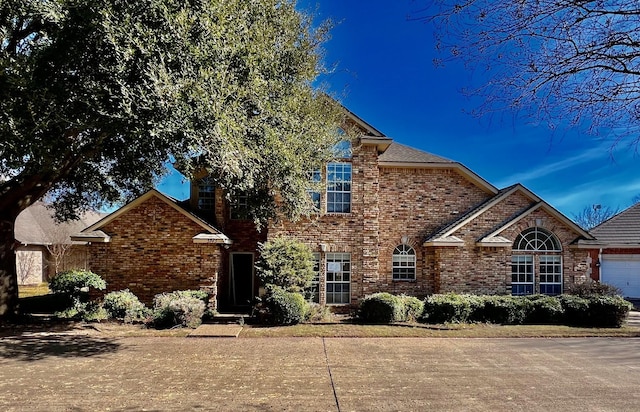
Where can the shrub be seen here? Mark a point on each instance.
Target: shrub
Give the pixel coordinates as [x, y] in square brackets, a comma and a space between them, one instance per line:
[381, 308]
[504, 310]
[544, 309]
[125, 306]
[286, 263]
[608, 311]
[319, 313]
[576, 310]
[451, 307]
[412, 308]
[284, 307]
[594, 288]
[76, 283]
[173, 309]
[86, 311]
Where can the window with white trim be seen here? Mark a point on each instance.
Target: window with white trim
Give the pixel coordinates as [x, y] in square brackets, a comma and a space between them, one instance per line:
[314, 291]
[404, 263]
[522, 275]
[536, 247]
[206, 194]
[551, 274]
[339, 188]
[338, 278]
[315, 177]
[240, 207]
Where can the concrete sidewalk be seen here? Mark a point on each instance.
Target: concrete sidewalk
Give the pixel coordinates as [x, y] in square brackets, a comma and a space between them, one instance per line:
[85, 373]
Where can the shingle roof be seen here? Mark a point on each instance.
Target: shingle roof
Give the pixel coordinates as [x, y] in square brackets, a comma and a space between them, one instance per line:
[36, 225]
[623, 228]
[399, 153]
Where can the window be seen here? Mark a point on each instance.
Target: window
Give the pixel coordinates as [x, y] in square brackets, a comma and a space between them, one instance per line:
[538, 240]
[338, 283]
[404, 263]
[315, 283]
[342, 150]
[522, 275]
[339, 188]
[315, 177]
[551, 274]
[206, 194]
[240, 207]
[540, 248]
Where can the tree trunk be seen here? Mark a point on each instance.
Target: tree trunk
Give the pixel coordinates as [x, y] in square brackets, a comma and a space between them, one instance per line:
[8, 273]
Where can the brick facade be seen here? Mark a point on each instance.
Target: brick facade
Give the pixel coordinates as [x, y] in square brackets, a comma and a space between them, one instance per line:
[393, 202]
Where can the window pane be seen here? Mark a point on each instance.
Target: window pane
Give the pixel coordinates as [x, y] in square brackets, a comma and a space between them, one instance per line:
[338, 277]
[339, 188]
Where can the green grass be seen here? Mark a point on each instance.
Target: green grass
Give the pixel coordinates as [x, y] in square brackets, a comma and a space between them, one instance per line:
[435, 331]
[27, 291]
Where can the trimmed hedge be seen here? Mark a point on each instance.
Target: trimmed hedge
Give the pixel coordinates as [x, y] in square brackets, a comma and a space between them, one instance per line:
[593, 311]
[286, 308]
[386, 308]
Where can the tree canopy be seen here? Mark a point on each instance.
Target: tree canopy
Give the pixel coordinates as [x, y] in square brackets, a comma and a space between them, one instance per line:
[97, 97]
[564, 62]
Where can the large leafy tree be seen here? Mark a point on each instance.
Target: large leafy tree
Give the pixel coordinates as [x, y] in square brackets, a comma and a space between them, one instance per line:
[97, 97]
[565, 62]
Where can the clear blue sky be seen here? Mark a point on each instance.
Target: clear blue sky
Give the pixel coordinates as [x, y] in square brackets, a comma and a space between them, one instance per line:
[384, 73]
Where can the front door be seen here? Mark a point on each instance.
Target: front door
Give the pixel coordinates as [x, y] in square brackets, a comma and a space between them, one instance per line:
[241, 279]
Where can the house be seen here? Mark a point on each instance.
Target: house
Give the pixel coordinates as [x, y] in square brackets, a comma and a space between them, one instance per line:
[615, 253]
[43, 246]
[391, 218]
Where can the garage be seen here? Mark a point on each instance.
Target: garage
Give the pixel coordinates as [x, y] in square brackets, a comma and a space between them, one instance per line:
[622, 271]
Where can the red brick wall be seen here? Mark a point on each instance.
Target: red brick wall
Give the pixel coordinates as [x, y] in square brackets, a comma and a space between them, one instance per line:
[152, 251]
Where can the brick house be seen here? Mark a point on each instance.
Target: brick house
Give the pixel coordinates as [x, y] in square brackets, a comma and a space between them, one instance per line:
[615, 253]
[391, 218]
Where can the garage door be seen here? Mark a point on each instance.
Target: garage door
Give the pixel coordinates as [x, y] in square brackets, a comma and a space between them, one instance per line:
[622, 271]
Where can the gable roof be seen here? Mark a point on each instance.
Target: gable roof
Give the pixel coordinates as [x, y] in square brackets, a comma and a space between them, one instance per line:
[36, 225]
[93, 232]
[493, 239]
[621, 230]
[399, 155]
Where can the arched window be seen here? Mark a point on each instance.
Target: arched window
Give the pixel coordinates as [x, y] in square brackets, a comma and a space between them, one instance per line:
[536, 239]
[404, 263]
[536, 248]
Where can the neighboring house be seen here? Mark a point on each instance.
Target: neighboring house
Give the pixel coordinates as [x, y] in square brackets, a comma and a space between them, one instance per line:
[391, 218]
[44, 246]
[616, 252]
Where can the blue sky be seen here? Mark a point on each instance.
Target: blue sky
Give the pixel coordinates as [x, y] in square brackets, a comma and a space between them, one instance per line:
[384, 73]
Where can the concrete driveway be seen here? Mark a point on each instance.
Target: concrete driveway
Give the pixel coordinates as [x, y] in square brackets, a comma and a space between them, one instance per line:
[86, 373]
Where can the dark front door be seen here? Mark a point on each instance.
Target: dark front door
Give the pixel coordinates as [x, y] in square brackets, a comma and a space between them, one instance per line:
[241, 276]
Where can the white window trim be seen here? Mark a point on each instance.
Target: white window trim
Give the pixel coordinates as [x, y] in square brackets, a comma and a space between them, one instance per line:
[403, 256]
[330, 258]
[328, 190]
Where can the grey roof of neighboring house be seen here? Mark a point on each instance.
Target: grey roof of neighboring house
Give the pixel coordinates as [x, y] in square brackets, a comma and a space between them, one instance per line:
[623, 228]
[399, 153]
[37, 226]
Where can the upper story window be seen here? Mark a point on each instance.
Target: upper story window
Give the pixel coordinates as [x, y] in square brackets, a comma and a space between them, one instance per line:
[315, 177]
[240, 207]
[343, 150]
[339, 188]
[404, 263]
[206, 194]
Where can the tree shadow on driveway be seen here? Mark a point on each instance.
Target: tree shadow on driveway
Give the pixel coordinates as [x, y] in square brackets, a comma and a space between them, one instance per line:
[30, 347]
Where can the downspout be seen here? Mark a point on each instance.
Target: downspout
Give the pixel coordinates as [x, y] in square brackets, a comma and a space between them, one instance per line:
[599, 264]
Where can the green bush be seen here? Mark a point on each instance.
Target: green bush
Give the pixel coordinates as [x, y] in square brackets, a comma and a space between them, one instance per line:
[286, 308]
[412, 308]
[594, 288]
[319, 313]
[608, 311]
[451, 308]
[504, 310]
[86, 311]
[381, 308]
[124, 305]
[576, 310]
[286, 263]
[176, 309]
[76, 283]
[544, 309]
